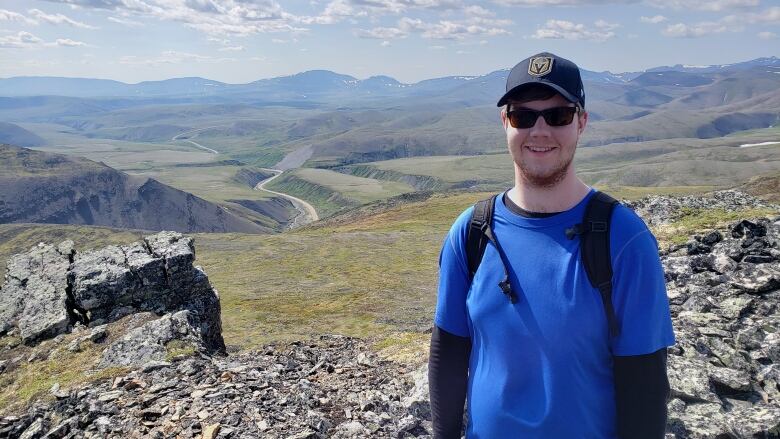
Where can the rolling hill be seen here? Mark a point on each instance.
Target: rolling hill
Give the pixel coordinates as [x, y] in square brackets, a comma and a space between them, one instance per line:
[37, 187]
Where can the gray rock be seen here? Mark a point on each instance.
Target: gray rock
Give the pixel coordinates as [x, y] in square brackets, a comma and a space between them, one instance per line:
[35, 430]
[689, 380]
[33, 298]
[731, 379]
[147, 342]
[418, 401]
[761, 421]
[756, 278]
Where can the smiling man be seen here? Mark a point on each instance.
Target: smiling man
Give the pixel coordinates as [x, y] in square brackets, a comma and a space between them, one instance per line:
[552, 318]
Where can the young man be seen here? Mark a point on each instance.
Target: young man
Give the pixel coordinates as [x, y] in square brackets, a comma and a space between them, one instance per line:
[543, 364]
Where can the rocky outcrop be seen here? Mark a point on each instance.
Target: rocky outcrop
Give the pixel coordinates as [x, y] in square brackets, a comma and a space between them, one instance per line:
[50, 289]
[658, 209]
[34, 298]
[724, 371]
[333, 387]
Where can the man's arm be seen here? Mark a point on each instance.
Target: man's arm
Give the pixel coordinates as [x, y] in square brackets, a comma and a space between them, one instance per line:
[447, 381]
[641, 394]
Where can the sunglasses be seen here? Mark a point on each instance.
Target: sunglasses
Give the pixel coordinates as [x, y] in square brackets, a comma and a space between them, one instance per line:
[554, 117]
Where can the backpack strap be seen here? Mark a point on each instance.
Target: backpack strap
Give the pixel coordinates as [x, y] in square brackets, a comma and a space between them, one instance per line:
[477, 239]
[480, 232]
[596, 256]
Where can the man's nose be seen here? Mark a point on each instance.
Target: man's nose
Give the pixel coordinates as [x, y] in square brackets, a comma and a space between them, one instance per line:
[540, 127]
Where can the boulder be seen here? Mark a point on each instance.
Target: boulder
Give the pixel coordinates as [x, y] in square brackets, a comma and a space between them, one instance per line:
[34, 297]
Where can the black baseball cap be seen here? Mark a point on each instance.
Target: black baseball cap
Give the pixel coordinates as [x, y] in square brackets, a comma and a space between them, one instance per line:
[548, 69]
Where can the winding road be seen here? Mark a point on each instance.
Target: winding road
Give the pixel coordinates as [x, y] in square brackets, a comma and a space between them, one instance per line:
[198, 145]
[307, 212]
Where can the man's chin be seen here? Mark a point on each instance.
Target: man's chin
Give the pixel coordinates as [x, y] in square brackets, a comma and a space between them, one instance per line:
[543, 180]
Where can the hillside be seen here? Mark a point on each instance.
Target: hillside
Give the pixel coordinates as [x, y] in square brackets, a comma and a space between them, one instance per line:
[37, 187]
[13, 134]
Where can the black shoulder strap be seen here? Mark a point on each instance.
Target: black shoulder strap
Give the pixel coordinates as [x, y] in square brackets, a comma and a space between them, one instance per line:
[479, 234]
[481, 217]
[595, 251]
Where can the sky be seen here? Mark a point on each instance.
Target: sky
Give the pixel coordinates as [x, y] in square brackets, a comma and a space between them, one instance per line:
[239, 41]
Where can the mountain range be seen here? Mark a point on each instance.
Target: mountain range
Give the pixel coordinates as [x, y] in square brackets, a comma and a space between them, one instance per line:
[316, 83]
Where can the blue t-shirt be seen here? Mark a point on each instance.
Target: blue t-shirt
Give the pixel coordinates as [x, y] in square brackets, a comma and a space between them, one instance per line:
[542, 367]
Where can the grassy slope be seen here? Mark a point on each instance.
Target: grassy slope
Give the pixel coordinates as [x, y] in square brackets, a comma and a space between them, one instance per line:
[668, 163]
[331, 191]
[374, 276]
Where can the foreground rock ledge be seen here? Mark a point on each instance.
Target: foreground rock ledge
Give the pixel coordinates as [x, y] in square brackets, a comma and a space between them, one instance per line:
[52, 289]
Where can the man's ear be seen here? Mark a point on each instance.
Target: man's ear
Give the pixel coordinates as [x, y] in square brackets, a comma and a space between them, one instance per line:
[583, 121]
[504, 120]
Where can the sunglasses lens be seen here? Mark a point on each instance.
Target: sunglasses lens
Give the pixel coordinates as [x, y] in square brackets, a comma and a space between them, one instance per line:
[557, 117]
[523, 118]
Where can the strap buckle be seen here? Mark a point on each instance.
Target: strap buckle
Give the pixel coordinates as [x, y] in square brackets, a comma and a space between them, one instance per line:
[598, 226]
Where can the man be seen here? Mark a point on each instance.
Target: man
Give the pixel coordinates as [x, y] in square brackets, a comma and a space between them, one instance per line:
[544, 364]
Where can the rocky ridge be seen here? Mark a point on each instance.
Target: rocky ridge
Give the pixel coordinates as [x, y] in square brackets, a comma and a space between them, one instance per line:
[724, 372]
[52, 289]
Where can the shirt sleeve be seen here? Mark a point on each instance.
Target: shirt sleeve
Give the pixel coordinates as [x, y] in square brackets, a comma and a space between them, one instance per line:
[641, 394]
[454, 283]
[448, 366]
[639, 288]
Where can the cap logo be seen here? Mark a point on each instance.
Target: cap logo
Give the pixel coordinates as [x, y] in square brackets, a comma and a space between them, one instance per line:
[540, 66]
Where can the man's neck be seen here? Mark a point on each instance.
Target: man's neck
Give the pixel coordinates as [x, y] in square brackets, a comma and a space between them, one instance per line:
[561, 197]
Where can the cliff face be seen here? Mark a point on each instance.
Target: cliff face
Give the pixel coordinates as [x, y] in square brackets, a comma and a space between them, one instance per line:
[37, 187]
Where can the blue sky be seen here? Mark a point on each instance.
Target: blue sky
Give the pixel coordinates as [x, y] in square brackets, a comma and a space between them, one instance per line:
[239, 41]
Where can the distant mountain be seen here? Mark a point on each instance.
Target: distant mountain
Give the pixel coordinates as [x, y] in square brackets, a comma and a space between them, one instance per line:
[15, 135]
[39, 187]
[671, 78]
[763, 62]
[328, 86]
[84, 87]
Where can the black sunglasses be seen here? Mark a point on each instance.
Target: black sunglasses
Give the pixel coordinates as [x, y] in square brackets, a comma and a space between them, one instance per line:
[554, 117]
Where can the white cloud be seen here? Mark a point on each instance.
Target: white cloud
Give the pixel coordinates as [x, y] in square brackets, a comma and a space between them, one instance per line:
[57, 19]
[67, 42]
[385, 43]
[382, 33]
[567, 30]
[728, 23]
[442, 30]
[231, 17]
[478, 11]
[172, 57]
[681, 30]
[533, 3]
[126, 22]
[21, 40]
[605, 26]
[654, 19]
[767, 35]
[704, 5]
[6, 15]
[232, 49]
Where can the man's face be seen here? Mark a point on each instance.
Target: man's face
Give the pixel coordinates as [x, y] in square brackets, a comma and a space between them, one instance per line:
[543, 153]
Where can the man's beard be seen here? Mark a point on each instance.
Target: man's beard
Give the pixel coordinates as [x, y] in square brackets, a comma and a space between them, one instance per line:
[549, 178]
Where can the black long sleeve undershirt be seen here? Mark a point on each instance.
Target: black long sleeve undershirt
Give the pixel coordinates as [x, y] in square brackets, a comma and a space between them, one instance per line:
[641, 389]
[448, 367]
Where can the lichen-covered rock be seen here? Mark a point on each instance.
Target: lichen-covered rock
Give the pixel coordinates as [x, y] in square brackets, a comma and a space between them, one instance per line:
[49, 289]
[148, 342]
[34, 296]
